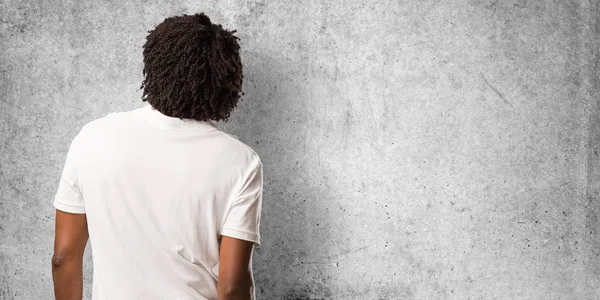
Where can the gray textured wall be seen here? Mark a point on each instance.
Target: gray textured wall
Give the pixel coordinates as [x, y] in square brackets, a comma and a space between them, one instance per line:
[411, 149]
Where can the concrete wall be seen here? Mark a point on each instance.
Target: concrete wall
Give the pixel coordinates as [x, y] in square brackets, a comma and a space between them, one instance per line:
[411, 149]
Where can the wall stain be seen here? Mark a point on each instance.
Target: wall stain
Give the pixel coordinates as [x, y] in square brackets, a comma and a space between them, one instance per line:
[313, 291]
[5, 292]
[496, 91]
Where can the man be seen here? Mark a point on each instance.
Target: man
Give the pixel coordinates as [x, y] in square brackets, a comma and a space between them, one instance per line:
[171, 203]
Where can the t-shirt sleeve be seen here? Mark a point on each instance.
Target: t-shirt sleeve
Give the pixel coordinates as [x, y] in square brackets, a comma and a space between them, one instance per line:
[243, 220]
[68, 197]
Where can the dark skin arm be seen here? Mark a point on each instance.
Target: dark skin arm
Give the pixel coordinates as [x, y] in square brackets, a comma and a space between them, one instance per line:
[235, 279]
[71, 235]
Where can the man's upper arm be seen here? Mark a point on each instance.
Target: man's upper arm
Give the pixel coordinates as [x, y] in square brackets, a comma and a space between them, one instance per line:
[235, 271]
[71, 222]
[239, 234]
[71, 235]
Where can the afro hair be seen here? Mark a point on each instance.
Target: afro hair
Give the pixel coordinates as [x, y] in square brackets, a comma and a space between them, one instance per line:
[192, 69]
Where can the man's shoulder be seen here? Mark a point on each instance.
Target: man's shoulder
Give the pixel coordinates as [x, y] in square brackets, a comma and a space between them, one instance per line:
[108, 120]
[234, 143]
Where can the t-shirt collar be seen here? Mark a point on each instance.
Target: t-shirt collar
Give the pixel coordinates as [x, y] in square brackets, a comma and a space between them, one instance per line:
[174, 125]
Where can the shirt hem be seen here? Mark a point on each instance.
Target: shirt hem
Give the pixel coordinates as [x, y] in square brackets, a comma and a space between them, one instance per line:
[74, 209]
[242, 235]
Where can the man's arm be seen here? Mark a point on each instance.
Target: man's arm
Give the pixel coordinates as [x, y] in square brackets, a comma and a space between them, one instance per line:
[71, 235]
[235, 278]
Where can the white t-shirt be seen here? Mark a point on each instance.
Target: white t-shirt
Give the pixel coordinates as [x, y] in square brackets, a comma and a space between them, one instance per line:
[158, 192]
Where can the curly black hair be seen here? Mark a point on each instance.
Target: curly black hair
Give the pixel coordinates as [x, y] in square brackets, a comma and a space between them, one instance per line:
[192, 69]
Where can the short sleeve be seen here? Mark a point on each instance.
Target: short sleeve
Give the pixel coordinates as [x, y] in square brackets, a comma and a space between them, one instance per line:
[243, 220]
[68, 197]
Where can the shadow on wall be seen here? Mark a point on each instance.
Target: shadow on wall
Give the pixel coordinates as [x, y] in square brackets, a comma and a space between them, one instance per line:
[5, 291]
[295, 230]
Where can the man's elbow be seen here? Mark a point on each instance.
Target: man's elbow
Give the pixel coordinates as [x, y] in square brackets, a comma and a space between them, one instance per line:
[60, 261]
[57, 261]
[237, 294]
[237, 291]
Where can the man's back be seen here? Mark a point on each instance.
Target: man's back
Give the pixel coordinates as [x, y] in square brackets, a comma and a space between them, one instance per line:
[158, 192]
